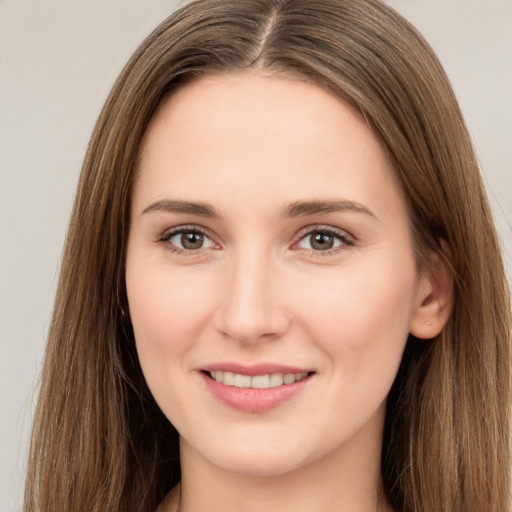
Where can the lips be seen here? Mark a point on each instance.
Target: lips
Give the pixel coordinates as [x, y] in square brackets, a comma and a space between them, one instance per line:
[255, 388]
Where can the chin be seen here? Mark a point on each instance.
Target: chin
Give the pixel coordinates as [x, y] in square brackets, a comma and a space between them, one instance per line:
[265, 458]
[256, 465]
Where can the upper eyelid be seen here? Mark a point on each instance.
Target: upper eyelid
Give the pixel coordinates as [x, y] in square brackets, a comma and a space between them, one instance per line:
[324, 228]
[169, 233]
[176, 230]
[187, 227]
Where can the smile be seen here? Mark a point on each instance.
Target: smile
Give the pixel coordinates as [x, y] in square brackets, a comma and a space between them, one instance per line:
[269, 380]
[256, 388]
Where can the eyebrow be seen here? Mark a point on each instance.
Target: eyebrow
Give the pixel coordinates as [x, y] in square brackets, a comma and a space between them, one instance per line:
[305, 208]
[186, 207]
[296, 209]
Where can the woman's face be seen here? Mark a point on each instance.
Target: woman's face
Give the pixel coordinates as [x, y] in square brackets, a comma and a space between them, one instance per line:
[268, 243]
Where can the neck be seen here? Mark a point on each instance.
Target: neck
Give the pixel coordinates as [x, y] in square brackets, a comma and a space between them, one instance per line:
[347, 480]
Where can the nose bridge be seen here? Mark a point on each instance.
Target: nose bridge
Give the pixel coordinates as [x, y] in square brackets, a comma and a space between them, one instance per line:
[251, 307]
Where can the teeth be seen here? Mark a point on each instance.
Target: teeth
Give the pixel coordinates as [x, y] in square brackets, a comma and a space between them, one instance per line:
[260, 381]
[276, 379]
[242, 381]
[257, 381]
[229, 378]
[289, 378]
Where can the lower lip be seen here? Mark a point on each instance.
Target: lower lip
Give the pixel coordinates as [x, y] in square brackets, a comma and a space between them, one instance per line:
[254, 400]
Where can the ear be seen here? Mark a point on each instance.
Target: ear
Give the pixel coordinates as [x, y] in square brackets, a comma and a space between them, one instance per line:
[435, 298]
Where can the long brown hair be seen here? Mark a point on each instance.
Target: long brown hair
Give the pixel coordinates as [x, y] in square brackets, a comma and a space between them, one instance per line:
[99, 440]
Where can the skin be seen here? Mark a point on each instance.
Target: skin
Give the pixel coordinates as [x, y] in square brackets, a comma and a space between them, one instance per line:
[257, 290]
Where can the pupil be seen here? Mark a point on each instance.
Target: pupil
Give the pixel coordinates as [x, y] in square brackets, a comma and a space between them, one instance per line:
[322, 242]
[192, 240]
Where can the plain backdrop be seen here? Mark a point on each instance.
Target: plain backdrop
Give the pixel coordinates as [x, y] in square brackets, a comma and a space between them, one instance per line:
[58, 60]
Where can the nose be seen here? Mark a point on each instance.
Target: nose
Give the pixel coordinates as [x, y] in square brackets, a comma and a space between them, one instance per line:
[252, 305]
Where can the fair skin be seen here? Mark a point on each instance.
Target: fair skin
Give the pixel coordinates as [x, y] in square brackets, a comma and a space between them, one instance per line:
[332, 293]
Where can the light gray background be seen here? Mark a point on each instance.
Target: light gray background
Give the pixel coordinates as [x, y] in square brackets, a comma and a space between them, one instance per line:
[58, 60]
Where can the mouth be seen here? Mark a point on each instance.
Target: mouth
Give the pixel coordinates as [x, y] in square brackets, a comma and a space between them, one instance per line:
[257, 388]
[265, 381]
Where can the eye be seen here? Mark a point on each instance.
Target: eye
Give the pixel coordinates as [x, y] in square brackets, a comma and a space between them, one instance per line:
[187, 239]
[324, 240]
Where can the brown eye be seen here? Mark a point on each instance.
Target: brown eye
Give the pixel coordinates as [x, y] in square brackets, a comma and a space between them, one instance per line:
[188, 240]
[192, 240]
[323, 240]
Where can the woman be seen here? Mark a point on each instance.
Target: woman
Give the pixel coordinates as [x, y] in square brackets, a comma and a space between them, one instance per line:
[281, 286]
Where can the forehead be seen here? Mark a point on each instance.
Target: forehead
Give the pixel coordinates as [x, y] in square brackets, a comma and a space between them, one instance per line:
[251, 134]
[257, 105]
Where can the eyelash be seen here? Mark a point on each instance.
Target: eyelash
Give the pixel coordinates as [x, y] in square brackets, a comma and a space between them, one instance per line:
[347, 241]
[166, 237]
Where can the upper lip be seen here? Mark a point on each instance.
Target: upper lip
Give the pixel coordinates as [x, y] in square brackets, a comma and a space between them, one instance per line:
[254, 369]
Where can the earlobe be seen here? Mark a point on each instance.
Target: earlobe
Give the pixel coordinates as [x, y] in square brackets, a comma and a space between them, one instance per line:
[434, 300]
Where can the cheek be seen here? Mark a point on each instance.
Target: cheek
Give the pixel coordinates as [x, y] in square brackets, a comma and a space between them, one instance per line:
[361, 317]
[168, 310]
[362, 326]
